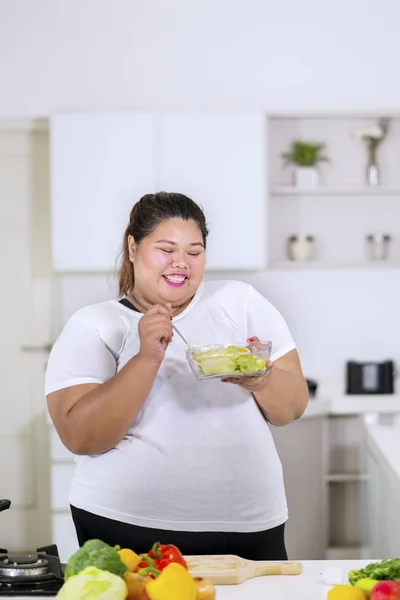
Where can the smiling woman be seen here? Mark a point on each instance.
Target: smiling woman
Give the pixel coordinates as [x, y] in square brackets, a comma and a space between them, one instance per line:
[163, 252]
[160, 455]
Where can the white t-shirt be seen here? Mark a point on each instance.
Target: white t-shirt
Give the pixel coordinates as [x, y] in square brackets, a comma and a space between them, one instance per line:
[199, 456]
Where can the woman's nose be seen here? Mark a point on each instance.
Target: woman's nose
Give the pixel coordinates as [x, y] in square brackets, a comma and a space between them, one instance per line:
[180, 260]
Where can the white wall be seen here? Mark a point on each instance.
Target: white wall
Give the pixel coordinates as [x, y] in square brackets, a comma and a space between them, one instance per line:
[334, 55]
[113, 54]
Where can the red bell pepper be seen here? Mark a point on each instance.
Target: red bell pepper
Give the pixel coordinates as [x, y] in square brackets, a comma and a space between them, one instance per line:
[147, 567]
[166, 554]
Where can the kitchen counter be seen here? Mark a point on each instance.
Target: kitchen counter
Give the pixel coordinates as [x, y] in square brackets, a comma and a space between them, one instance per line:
[307, 586]
[342, 404]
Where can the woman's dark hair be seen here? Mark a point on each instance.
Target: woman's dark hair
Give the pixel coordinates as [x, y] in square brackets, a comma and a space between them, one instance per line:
[146, 215]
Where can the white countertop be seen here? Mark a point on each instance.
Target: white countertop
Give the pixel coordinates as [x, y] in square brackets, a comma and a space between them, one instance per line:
[342, 404]
[307, 586]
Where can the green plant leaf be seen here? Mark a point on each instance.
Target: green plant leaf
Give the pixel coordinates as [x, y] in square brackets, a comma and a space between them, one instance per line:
[305, 154]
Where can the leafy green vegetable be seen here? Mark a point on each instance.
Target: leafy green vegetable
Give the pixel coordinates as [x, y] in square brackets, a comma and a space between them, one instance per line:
[93, 584]
[231, 359]
[385, 569]
[95, 553]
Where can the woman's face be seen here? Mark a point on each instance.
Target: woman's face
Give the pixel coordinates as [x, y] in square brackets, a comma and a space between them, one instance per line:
[169, 263]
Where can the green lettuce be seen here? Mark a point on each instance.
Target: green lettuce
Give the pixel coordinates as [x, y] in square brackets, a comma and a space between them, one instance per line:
[93, 584]
[385, 569]
[230, 359]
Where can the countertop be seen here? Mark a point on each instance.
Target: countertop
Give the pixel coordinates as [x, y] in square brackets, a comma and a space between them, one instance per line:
[342, 404]
[307, 586]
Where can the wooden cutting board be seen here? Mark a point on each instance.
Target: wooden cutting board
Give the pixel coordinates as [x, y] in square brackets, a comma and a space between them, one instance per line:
[229, 569]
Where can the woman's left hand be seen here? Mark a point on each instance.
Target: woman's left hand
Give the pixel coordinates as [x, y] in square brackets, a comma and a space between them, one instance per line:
[251, 384]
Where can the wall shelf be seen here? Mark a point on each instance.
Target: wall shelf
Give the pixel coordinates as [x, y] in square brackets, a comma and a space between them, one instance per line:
[342, 210]
[315, 264]
[289, 190]
[346, 477]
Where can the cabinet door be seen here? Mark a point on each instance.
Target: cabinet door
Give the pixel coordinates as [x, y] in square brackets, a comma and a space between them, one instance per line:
[219, 160]
[100, 166]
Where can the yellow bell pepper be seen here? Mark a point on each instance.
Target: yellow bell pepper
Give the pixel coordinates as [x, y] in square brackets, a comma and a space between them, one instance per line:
[129, 558]
[174, 583]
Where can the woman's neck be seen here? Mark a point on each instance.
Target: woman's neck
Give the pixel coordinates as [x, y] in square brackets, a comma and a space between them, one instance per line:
[144, 305]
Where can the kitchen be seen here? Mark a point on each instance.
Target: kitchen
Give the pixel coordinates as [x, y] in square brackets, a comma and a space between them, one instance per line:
[337, 312]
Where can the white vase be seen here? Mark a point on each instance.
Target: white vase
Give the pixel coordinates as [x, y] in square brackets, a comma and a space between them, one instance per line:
[306, 177]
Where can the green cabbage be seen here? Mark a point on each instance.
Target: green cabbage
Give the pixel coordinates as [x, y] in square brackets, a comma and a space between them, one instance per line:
[93, 584]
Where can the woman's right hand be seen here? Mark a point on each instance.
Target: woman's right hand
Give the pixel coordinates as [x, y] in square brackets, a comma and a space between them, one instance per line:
[155, 333]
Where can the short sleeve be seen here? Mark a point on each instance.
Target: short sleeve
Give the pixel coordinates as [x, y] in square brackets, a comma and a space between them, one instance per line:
[78, 356]
[266, 322]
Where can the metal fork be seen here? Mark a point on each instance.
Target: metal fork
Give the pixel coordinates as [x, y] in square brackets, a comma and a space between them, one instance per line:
[180, 335]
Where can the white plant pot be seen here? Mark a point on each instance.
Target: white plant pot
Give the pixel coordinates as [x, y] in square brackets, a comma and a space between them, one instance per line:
[306, 177]
[301, 248]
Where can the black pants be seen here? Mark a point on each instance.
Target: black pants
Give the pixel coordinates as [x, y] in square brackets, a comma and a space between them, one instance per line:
[261, 545]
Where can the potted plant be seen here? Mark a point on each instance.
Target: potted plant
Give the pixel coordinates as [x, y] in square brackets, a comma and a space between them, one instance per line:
[305, 156]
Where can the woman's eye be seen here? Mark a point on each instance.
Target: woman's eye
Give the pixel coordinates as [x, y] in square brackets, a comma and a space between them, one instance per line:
[167, 251]
[194, 254]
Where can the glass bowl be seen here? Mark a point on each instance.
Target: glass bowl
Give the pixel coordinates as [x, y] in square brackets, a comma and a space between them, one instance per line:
[233, 359]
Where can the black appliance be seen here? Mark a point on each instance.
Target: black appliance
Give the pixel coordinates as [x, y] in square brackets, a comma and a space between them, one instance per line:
[370, 377]
[312, 387]
[38, 573]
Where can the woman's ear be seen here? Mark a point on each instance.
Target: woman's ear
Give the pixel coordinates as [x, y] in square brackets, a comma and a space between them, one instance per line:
[131, 247]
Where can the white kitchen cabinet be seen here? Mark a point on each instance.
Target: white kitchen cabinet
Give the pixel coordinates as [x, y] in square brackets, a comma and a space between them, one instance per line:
[383, 491]
[219, 160]
[101, 164]
[302, 449]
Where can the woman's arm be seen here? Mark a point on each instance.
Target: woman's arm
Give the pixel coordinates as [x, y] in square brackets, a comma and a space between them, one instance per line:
[91, 418]
[284, 395]
[281, 393]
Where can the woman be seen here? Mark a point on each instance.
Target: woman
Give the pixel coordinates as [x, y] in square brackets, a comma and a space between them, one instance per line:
[160, 455]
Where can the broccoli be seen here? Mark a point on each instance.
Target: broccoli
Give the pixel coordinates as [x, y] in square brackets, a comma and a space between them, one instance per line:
[95, 553]
[386, 569]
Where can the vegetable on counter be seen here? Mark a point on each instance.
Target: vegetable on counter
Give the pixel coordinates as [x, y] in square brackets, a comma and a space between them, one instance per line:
[93, 584]
[386, 590]
[366, 585]
[129, 558]
[136, 585]
[95, 553]
[173, 583]
[343, 591]
[163, 555]
[385, 569]
[205, 589]
[97, 571]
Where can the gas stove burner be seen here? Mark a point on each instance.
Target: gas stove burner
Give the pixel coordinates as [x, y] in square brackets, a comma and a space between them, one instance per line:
[28, 565]
[35, 574]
